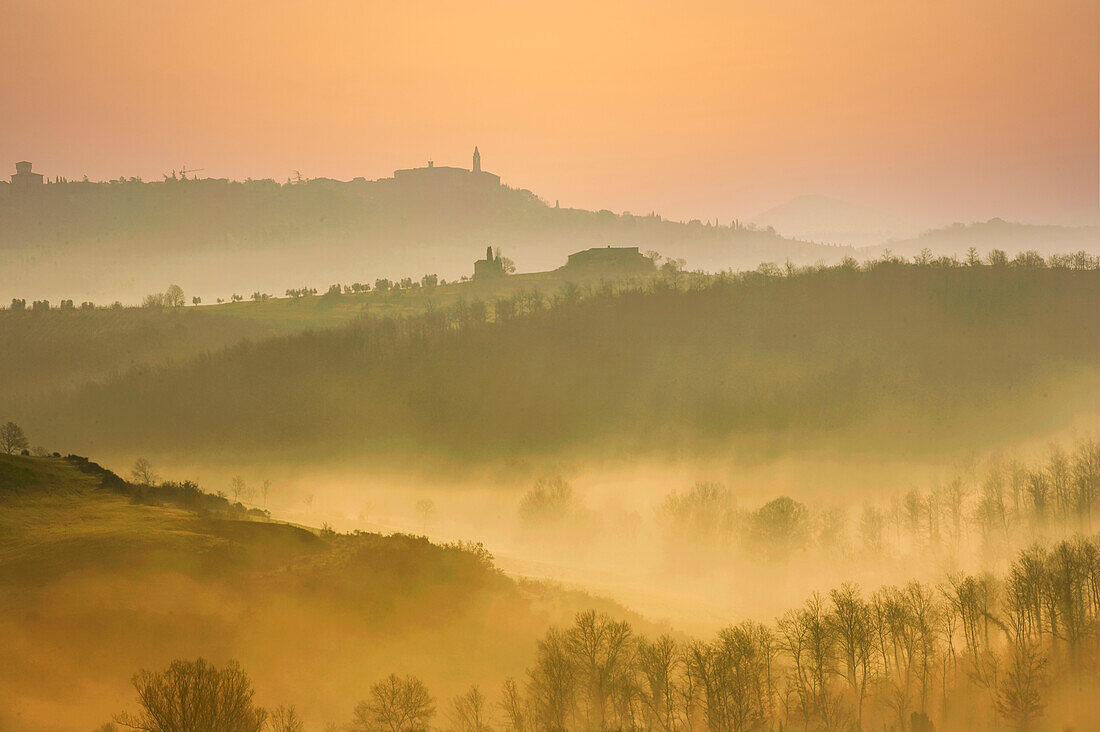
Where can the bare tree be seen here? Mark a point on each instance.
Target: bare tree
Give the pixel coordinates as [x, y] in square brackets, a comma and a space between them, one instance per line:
[992, 510]
[1070, 566]
[237, 487]
[872, 524]
[600, 649]
[744, 655]
[1024, 593]
[853, 621]
[425, 508]
[925, 617]
[515, 709]
[552, 685]
[809, 639]
[658, 664]
[396, 704]
[1038, 490]
[469, 711]
[974, 600]
[1086, 480]
[143, 473]
[12, 438]
[1020, 697]
[285, 719]
[194, 696]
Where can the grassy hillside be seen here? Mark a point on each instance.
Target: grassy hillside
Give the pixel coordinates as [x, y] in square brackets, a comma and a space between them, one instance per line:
[894, 359]
[94, 568]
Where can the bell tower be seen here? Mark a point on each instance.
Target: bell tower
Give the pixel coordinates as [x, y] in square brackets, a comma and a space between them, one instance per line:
[477, 160]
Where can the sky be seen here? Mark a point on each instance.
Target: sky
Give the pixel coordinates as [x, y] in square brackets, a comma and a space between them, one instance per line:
[935, 111]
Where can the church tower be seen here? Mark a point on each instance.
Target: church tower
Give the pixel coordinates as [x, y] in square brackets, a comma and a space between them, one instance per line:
[477, 160]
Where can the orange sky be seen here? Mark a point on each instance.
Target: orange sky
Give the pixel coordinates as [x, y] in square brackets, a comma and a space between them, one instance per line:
[936, 110]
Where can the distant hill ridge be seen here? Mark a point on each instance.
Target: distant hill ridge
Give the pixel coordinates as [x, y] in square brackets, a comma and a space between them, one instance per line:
[828, 220]
[985, 236]
[124, 239]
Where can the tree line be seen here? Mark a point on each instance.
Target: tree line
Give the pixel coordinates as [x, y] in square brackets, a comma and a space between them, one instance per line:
[174, 295]
[973, 651]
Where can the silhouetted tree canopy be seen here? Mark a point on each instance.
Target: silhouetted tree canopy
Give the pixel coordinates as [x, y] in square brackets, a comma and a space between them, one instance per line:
[195, 696]
[12, 438]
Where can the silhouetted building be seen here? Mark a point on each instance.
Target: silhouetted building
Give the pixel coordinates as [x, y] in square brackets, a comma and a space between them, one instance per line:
[625, 260]
[24, 179]
[444, 175]
[489, 267]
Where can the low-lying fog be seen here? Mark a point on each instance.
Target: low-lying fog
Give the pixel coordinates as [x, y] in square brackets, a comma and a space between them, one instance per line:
[699, 544]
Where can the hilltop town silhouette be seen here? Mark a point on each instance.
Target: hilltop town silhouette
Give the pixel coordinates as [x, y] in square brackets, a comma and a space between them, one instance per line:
[431, 175]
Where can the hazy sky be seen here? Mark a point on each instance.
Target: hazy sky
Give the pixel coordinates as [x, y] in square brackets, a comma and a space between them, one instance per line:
[936, 110]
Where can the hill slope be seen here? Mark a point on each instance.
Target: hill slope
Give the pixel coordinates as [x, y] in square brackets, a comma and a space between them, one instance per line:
[897, 359]
[90, 568]
[68, 348]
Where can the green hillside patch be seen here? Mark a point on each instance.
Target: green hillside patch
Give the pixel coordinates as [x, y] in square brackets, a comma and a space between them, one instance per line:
[58, 518]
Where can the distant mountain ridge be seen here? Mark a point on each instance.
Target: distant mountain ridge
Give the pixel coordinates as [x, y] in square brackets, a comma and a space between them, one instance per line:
[827, 220]
[1010, 237]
